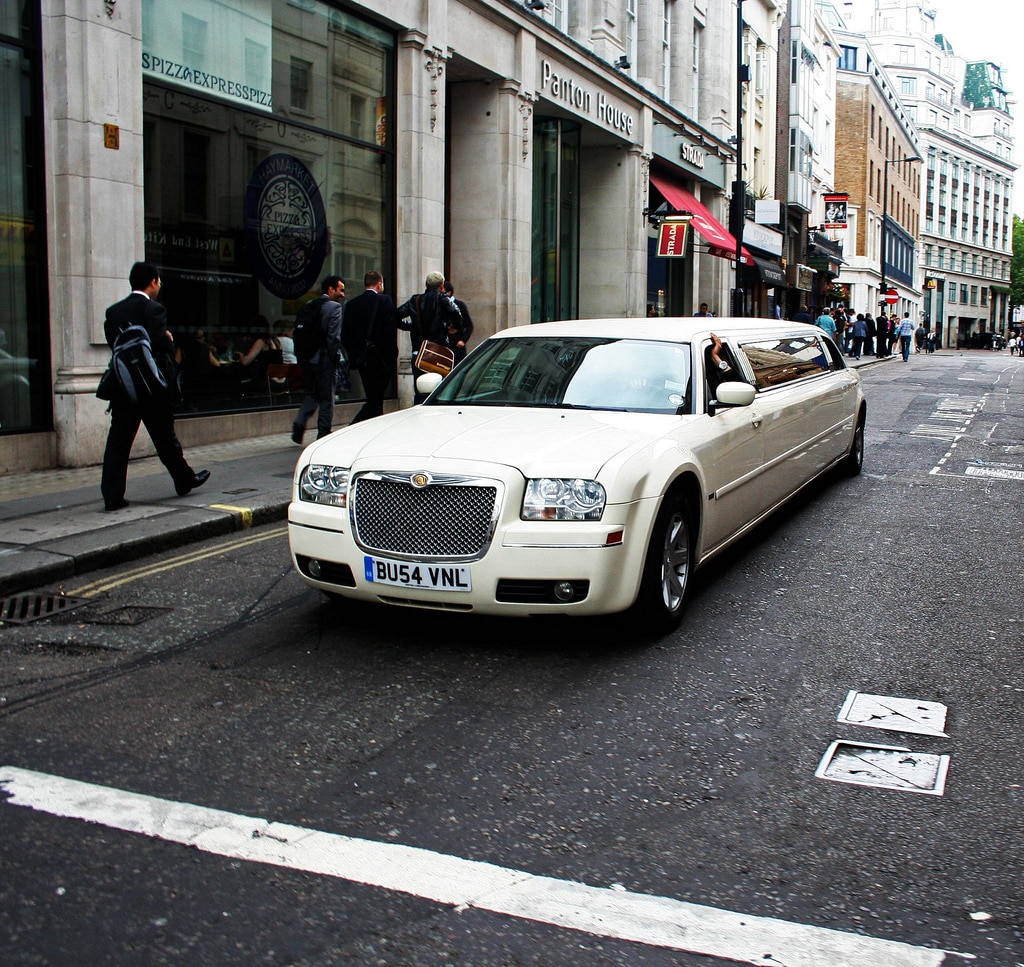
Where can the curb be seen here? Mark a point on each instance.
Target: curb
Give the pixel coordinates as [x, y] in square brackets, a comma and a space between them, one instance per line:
[31, 566]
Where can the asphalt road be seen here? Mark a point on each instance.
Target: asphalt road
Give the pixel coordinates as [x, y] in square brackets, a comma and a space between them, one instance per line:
[682, 769]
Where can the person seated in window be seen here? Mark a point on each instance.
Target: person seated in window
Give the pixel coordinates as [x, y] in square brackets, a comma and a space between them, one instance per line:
[264, 349]
[283, 331]
[719, 366]
[199, 364]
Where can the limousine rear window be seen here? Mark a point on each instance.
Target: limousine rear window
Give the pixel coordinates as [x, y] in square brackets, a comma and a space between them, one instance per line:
[782, 360]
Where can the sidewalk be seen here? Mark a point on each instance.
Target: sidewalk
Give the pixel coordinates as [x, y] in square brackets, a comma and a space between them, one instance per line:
[53, 526]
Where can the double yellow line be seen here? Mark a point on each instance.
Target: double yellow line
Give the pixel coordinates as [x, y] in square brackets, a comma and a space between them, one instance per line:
[147, 570]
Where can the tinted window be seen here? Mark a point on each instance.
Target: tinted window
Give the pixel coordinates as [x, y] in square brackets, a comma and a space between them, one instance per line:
[782, 360]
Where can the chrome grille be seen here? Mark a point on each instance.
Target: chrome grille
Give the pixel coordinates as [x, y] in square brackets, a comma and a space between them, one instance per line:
[452, 517]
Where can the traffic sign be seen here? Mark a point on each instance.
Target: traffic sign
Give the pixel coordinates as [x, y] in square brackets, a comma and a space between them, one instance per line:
[892, 297]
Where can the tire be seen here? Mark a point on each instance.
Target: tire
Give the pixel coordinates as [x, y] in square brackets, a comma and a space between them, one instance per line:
[855, 458]
[667, 568]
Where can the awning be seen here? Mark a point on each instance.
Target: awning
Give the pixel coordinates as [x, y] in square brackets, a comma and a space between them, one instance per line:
[771, 272]
[720, 242]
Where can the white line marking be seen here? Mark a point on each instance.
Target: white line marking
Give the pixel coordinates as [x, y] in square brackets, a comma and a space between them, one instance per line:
[636, 917]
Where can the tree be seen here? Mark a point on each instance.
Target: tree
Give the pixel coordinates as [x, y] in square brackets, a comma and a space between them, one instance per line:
[1017, 264]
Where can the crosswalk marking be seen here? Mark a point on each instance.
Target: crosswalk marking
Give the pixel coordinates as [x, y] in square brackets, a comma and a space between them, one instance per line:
[468, 884]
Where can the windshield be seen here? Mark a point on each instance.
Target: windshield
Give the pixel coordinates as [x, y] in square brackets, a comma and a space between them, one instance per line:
[580, 372]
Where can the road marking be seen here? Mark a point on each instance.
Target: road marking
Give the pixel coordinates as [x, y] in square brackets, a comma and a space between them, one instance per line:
[244, 512]
[147, 570]
[467, 884]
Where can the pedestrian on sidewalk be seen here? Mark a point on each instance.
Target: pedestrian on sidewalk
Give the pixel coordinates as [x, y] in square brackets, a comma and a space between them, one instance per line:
[826, 322]
[370, 338]
[430, 313]
[860, 332]
[155, 412]
[319, 355]
[458, 335]
[906, 335]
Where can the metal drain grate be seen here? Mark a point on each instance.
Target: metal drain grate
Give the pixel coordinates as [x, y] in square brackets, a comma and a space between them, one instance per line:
[20, 609]
[128, 615]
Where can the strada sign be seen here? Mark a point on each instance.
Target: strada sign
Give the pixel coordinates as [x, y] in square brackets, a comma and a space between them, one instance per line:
[672, 238]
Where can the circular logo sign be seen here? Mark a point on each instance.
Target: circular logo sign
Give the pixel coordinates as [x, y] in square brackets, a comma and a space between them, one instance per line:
[285, 226]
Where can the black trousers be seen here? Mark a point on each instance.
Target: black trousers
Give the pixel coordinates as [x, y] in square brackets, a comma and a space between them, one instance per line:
[376, 376]
[320, 387]
[125, 419]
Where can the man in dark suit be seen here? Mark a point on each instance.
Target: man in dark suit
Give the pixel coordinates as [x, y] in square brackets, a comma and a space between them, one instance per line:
[370, 337]
[158, 413]
[458, 335]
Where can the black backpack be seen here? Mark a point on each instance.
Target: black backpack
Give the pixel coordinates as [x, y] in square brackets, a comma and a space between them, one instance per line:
[135, 367]
[308, 334]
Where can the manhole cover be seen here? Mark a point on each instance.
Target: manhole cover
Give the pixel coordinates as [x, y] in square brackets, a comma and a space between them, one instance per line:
[894, 714]
[128, 615]
[885, 767]
[20, 609]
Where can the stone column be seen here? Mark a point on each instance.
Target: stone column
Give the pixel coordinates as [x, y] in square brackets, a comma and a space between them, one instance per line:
[421, 176]
[92, 77]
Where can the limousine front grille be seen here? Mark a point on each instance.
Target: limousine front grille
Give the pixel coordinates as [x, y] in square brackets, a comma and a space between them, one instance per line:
[448, 517]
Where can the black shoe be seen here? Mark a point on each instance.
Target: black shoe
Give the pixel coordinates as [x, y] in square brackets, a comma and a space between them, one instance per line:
[298, 432]
[197, 480]
[115, 504]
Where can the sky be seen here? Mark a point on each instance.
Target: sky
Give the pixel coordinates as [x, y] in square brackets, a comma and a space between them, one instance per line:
[986, 30]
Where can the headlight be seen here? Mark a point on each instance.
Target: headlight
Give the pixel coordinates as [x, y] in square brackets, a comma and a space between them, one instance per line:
[322, 484]
[550, 498]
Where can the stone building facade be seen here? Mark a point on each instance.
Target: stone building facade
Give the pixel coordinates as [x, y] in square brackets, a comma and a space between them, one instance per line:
[250, 147]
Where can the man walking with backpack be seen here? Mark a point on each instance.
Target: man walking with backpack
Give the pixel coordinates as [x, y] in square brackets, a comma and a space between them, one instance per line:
[317, 337]
[150, 403]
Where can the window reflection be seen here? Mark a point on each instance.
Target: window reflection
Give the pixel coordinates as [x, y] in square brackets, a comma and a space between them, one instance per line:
[263, 173]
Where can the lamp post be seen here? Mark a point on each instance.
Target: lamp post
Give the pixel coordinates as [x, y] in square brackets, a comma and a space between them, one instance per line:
[885, 220]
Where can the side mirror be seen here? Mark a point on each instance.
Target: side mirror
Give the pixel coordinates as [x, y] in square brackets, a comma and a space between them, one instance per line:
[426, 383]
[735, 394]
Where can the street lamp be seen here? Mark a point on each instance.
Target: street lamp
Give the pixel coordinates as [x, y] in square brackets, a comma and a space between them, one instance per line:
[885, 220]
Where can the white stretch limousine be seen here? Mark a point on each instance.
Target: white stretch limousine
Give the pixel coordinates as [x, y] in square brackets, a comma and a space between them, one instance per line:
[576, 467]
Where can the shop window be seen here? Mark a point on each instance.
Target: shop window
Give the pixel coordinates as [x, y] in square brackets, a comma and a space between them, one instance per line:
[25, 376]
[264, 175]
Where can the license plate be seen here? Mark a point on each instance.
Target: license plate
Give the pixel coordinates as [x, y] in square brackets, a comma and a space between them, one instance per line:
[403, 574]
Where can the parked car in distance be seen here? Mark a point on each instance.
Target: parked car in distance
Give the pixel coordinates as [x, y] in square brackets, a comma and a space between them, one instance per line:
[582, 467]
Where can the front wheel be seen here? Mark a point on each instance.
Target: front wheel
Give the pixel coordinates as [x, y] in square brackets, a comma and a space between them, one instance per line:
[667, 568]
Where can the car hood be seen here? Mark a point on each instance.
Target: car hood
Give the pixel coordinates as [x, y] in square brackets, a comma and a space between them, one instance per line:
[538, 442]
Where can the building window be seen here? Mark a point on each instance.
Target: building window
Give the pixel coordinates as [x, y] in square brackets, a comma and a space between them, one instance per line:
[256, 73]
[631, 38]
[951, 292]
[193, 41]
[695, 51]
[848, 59]
[301, 75]
[908, 85]
[666, 50]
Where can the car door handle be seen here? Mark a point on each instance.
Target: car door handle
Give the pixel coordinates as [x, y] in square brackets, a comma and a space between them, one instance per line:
[756, 419]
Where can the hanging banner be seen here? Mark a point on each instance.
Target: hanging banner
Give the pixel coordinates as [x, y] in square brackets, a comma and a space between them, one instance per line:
[672, 238]
[835, 211]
